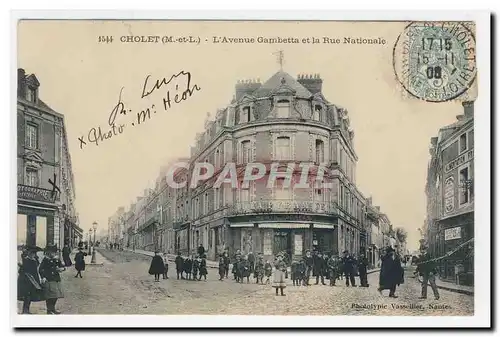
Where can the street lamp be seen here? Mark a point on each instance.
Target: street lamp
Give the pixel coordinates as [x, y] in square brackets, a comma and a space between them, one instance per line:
[90, 240]
[94, 225]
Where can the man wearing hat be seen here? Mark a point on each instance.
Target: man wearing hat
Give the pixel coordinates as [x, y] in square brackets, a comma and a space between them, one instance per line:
[29, 282]
[391, 272]
[50, 270]
[309, 261]
[349, 263]
[426, 268]
[80, 261]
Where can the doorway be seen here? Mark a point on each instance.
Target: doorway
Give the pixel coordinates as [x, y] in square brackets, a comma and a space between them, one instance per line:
[282, 243]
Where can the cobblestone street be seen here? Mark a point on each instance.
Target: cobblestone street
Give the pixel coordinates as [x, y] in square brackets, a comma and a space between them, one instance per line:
[122, 286]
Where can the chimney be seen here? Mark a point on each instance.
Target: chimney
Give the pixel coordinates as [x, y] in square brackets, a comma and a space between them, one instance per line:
[369, 201]
[434, 141]
[460, 117]
[311, 82]
[21, 83]
[468, 109]
[246, 87]
[378, 208]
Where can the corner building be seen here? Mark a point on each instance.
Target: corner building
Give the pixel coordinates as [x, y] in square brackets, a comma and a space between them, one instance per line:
[286, 121]
[450, 198]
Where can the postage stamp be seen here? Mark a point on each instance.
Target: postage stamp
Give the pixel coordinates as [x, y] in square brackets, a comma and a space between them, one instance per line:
[201, 169]
[436, 61]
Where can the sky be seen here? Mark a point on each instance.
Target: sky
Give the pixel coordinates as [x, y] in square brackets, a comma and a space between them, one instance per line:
[82, 78]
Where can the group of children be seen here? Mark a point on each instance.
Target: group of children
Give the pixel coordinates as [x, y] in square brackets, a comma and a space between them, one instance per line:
[244, 266]
[193, 267]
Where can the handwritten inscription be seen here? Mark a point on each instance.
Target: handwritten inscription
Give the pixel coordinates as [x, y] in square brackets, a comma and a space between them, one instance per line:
[174, 90]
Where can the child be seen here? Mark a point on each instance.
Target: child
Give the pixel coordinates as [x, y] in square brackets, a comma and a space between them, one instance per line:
[279, 281]
[268, 270]
[294, 271]
[188, 267]
[80, 262]
[222, 267]
[157, 266]
[179, 265]
[203, 267]
[165, 271]
[301, 271]
[259, 269]
[237, 269]
[196, 267]
[245, 269]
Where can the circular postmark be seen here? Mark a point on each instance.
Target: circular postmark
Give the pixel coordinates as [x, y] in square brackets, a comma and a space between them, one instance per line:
[435, 61]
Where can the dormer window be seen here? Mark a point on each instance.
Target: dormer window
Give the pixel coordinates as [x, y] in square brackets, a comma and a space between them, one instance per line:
[317, 113]
[31, 94]
[283, 109]
[245, 115]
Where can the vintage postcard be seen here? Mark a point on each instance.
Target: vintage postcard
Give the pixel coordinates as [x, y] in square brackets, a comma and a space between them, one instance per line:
[303, 168]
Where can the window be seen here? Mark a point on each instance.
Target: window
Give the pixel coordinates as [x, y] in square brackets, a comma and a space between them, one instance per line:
[217, 158]
[463, 142]
[283, 148]
[245, 152]
[245, 115]
[464, 186]
[31, 95]
[320, 151]
[205, 204]
[317, 113]
[32, 136]
[32, 177]
[283, 109]
[216, 198]
[319, 194]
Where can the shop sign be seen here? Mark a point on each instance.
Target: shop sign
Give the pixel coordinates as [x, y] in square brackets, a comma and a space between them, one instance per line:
[452, 233]
[469, 155]
[449, 195]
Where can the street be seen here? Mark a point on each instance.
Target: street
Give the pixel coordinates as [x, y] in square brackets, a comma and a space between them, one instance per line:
[121, 285]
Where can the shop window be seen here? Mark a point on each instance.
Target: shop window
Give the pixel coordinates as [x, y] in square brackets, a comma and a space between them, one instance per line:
[268, 242]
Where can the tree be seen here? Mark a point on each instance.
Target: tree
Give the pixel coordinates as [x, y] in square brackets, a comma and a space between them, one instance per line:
[401, 234]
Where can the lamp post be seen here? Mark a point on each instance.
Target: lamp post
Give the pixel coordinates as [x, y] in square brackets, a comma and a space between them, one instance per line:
[89, 241]
[94, 225]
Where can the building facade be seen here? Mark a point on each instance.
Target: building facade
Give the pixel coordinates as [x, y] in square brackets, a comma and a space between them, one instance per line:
[45, 183]
[450, 197]
[278, 124]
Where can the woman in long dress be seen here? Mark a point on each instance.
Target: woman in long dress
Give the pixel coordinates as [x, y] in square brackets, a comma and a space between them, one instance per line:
[29, 282]
[157, 266]
[279, 280]
[50, 270]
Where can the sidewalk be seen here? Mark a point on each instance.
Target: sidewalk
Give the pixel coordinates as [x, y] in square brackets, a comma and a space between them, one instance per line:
[210, 264]
[456, 288]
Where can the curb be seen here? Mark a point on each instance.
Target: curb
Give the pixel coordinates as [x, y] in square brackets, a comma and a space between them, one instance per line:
[453, 290]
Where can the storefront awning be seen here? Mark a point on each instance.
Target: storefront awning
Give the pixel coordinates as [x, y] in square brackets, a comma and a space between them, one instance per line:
[324, 225]
[285, 225]
[241, 225]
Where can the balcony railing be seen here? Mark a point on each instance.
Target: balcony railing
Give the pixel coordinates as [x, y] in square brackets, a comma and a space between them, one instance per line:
[283, 206]
[36, 193]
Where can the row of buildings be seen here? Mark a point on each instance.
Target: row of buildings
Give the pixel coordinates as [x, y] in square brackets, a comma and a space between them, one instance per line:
[283, 120]
[45, 183]
[449, 227]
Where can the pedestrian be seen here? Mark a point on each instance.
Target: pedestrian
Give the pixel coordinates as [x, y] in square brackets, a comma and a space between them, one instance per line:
[301, 272]
[279, 281]
[426, 268]
[236, 268]
[188, 267]
[50, 271]
[222, 267]
[259, 268]
[203, 267]
[309, 262]
[179, 265]
[251, 262]
[196, 268]
[348, 264]
[391, 273]
[363, 270]
[226, 263]
[201, 250]
[244, 267]
[293, 271]
[66, 251]
[268, 270]
[319, 268]
[165, 270]
[80, 262]
[29, 281]
[157, 266]
[333, 265]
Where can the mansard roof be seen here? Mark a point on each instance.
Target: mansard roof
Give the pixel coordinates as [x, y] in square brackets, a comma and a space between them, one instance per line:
[282, 81]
